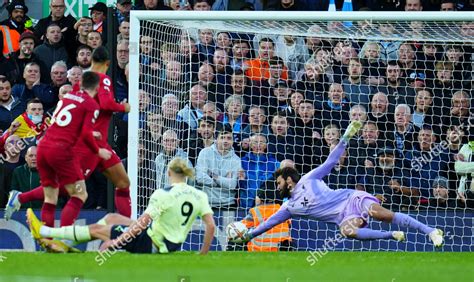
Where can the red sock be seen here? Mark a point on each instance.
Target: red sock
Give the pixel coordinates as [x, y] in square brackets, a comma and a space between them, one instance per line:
[36, 194]
[122, 202]
[47, 214]
[71, 211]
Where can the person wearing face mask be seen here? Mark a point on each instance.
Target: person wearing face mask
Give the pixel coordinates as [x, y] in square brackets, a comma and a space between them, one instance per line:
[390, 182]
[33, 122]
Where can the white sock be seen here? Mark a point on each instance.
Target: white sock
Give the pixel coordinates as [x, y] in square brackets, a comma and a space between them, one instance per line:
[45, 231]
[73, 232]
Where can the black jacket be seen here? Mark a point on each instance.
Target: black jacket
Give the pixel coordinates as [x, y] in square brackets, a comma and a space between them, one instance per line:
[15, 66]
[66, 23]
[49, 54]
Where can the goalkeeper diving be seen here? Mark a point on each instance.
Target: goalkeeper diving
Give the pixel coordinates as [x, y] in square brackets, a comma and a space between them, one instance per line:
[162, 228]
[310, 197]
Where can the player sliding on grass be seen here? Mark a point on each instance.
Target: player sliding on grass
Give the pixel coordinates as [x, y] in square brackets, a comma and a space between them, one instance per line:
[112, 168]
[162, 228]
[349, 209]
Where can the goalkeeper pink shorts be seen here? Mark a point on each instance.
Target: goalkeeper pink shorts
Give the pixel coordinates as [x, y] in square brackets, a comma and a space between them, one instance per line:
[358, 206]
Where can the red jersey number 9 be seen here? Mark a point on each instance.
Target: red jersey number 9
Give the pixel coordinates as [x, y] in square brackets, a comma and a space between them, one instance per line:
[62, 116]
[107, 84]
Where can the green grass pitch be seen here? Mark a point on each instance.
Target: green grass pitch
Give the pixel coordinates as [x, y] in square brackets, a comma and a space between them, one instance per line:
[240, 266]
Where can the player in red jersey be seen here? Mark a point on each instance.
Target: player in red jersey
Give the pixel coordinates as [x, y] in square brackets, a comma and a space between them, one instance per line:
[113, 168]
[58, 165]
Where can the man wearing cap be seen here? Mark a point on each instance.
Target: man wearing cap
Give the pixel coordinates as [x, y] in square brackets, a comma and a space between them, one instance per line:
[416, 80]
[19, 59]
[12, 28]
[389, 182]
[279, 100]
[441, 195]
[57, 15]
[99, 15]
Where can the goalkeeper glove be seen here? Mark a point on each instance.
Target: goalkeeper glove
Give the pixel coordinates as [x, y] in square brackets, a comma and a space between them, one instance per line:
[246, 236]
[351, 130]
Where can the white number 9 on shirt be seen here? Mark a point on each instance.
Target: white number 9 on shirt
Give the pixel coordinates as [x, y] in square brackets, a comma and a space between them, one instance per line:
[235, 231]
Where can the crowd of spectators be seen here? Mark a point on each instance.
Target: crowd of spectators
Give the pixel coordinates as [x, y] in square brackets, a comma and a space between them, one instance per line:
[236, 105]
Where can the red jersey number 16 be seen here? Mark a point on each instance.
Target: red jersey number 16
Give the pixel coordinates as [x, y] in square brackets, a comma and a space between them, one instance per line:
[62, 116]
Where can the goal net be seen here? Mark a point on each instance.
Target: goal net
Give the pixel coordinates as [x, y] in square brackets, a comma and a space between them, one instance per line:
[284, 87]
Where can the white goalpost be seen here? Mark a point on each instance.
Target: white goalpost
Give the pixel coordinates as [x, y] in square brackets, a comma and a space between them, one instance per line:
[295, 80]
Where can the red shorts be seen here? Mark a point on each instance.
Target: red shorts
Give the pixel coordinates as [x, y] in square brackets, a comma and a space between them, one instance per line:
[90, 161]
[58, 166]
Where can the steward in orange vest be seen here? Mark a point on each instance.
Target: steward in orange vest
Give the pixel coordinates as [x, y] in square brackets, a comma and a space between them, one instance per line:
[276, 239]
[13, 27]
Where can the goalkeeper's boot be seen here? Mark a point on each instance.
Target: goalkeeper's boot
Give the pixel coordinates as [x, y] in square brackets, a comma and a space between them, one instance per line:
[13, 204]
[398, 235]
[436, 236]
[352, 130]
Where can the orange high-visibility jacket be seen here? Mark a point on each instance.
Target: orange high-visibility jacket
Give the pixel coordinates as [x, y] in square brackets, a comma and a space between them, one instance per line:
[11, 40]
[270, 240]
[257, 69]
